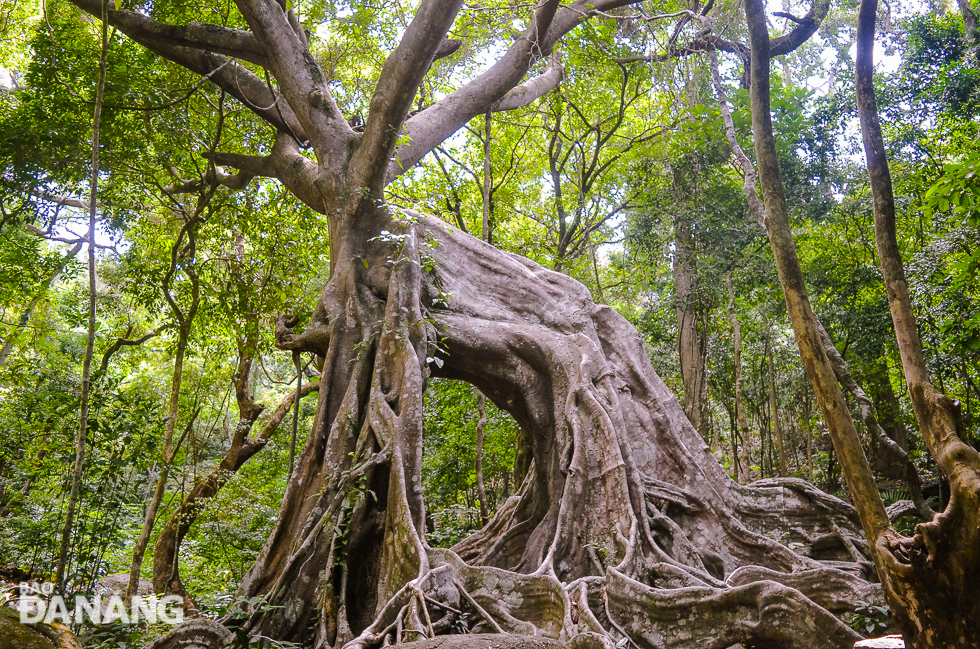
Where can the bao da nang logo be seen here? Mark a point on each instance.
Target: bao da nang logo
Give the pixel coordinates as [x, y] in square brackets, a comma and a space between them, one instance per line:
[38, 604]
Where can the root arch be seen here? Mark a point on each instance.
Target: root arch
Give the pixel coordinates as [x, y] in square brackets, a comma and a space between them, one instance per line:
[625, 528]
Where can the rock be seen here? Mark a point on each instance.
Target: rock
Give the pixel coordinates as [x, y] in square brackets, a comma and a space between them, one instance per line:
[884, 642]
[14, 635]
[116, 585]
[201, 632]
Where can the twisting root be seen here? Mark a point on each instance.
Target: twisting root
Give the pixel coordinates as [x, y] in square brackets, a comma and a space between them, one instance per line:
[624, 527]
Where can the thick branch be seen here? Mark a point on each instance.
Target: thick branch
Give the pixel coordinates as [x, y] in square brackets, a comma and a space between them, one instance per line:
[300, 78]
[535, 88]
[296, 172]
[65, 201]
[204, 56]
[211, 38]
[216, 176]
[428, 128]
[396, 88]
[805, 28]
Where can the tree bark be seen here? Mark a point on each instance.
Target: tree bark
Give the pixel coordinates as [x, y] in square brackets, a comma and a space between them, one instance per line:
[688, 338]
[774, 408]
[743, 423]
[845, 438]
[530, 530]
[76, 479]
[481, 491]
[932, 578]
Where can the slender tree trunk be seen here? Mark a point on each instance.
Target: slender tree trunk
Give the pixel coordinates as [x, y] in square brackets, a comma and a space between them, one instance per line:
[595, 271]
[167, 457]
[774, 408]
[809, 441]
[487, 187]
[76, 479]
[481, 492]
[299, 387]
[933, 579]
[969, 20]
[733, 427]
[840, 367]
[845, 438]
[688, 342]
[890, 447]
[743, 423]
[166, 569]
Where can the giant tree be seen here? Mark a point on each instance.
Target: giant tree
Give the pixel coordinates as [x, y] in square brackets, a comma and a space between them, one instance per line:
[624, 524]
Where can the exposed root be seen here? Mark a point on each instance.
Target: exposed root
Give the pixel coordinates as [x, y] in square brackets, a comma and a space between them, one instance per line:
[762, 613]
[196, 633]
[625, 528]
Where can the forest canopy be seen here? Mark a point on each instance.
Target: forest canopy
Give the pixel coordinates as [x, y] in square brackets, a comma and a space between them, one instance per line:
[325, 315]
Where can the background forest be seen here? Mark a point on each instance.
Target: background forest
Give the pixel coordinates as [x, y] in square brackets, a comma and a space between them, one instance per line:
[621, 178]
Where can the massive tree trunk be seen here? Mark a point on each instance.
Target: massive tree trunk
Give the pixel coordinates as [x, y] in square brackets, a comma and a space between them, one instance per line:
[623, 494]
[624, 526]
[933, 578]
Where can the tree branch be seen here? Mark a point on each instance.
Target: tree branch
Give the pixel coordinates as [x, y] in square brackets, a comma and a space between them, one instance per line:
[535, 88]
[119, 344]
[64, 201]
[236, 43]
[300, 78]
[396, 88]
[705, 40]
[285, 163]
[201, 49]
[805, 28]
[783, 14]
[431, 126]
[215, 177]
[296, 172]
